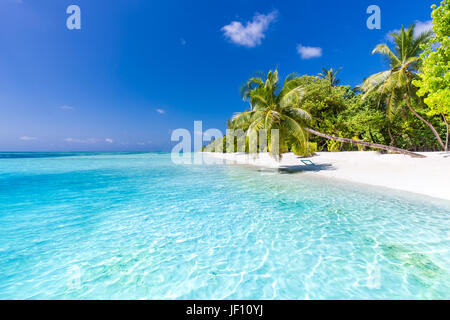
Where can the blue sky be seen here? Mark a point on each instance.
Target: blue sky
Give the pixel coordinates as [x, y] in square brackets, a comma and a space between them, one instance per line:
[138, 69]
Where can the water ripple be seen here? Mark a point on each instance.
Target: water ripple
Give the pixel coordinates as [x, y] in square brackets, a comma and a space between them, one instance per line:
[135, 226]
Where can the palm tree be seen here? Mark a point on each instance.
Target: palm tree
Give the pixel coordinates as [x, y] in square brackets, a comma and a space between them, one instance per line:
[330, 76]
[395, 83]
[273, 106]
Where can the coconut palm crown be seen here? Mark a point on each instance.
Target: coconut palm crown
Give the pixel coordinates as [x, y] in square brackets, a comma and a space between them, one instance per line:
[395, 84]
[274, 106]
[404, 62]
[330, 75]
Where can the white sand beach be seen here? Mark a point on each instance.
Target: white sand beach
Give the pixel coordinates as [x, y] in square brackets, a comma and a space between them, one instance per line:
[429, 176]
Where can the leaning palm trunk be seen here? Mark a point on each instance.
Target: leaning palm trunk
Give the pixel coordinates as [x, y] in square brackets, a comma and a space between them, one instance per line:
[426, 122]
[364, 143]
[447, 136]
[390, 133]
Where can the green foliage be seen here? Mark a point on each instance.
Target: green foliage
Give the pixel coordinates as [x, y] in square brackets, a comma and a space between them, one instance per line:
[334, 146]
[310, 150]
[275, 106]
[339, 111]
[216, 145]
[434, 82]
[360, 147]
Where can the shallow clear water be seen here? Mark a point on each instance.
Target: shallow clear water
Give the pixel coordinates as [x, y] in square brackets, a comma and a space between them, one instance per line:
[127, 226]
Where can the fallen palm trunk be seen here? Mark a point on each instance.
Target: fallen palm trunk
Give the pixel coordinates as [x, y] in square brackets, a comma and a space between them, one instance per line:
[364, 143]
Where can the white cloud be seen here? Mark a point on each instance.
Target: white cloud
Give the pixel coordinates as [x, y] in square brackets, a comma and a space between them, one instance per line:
[252, 33]
[309, 52]
[88, 140]
[27, 138]
[421, 26]
[142, 143]
[388, 36]
[160, 111]
[66, 108]
[75, 140]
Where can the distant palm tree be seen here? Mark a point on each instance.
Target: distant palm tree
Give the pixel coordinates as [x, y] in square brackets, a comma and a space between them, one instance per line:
[273, 106]
[395, 83]
[330, 75]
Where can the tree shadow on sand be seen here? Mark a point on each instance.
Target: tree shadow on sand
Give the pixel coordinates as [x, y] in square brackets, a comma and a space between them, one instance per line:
[302, 168]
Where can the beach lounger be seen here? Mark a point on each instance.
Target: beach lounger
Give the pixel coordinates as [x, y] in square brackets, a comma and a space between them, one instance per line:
[307, 162]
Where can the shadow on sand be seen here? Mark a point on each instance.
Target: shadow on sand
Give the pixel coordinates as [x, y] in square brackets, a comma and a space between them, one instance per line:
[300, 168]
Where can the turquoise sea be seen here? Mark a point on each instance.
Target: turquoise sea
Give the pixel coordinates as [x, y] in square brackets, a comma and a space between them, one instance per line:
[137, 226]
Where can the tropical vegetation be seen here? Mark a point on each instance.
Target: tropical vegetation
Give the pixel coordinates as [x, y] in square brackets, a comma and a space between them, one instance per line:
[330, 75]
[404, 109]
[434, 79]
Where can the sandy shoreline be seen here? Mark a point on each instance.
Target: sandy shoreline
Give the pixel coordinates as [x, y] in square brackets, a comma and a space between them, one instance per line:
[429, 176]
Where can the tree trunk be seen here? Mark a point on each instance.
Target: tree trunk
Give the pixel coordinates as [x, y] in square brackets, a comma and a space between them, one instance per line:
[426, 122]
[390, 134]
[447, 136]
[364, 143]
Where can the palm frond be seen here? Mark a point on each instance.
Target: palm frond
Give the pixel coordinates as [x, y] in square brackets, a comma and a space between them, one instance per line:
[384, 50]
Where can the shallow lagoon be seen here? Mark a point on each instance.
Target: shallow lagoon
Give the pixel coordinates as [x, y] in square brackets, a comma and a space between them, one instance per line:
[131, 226]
